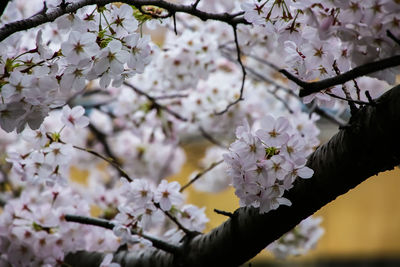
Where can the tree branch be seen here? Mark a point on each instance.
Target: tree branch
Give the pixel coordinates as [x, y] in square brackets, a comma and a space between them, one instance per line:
[155, 103]
[43, 17]
[371, 138]
[111, 161]
[117, 164]
[391, 36]
[239, 59]
[3, 5]
[210, 138]
[109, 225]
[198, 175]
[259, 77]
[314, 87]
[368, 68]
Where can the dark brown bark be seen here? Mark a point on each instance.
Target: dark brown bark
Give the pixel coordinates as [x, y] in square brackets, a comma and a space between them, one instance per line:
[368, 145]
[308, 88]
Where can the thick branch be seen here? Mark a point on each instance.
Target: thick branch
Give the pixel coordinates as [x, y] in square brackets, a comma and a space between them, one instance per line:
[43, 17]
[314, 87]
[158, 243]
[369, 145]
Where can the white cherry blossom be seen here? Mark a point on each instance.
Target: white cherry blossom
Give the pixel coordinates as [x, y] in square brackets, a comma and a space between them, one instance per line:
[167, 194]
[74, 118]
[79, 46]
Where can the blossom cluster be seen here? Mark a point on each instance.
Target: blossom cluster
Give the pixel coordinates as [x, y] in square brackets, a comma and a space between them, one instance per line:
[47, 158]
[318, 35]
[183, 62]
[204, 104]
[148, 154]
[299, 240]
[92, 43]
[34, 231]
[264, 163]
[146, 205]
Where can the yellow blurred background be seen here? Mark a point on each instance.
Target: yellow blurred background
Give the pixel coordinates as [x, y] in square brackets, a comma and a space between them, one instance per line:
[364, 223]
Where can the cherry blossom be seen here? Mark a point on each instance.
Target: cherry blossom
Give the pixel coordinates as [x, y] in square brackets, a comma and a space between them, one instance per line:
[122, 20]
[79, 46]
[298, 241]
[167, 194]
[74, 117]
[107, 261]
[17, 83]
[273, 133]
[260, 179]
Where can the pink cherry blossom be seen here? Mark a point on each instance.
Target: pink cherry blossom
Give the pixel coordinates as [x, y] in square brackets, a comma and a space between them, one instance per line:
[74, 118]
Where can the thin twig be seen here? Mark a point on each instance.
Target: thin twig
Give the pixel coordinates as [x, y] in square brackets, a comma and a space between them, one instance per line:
[284, 102]
[225, 213]
[239, 59]
[391, 36]
[155, 103]
[97, 154]
[102, 138]
[263, 61]
[370, 100]
[194, 179]
[358, 90]
[210, 138]
[109, 160]
[330, 117]
[175, 221]
[260, 77]
[313, 108]
[172, 96]
[98, 104]
[174, 19]
[316, 109]
[157, 243]
[359, 102]
[195, 4]
[353, 108]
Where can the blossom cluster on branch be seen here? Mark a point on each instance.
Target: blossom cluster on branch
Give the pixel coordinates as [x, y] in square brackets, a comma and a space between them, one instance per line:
[96, 42]
[264, 163]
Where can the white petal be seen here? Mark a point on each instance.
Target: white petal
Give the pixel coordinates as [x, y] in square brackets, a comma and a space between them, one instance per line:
[305, 172]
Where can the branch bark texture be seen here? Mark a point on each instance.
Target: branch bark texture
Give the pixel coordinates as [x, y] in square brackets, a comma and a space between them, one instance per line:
[309, 88]
[51, 15]
[368, 145]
